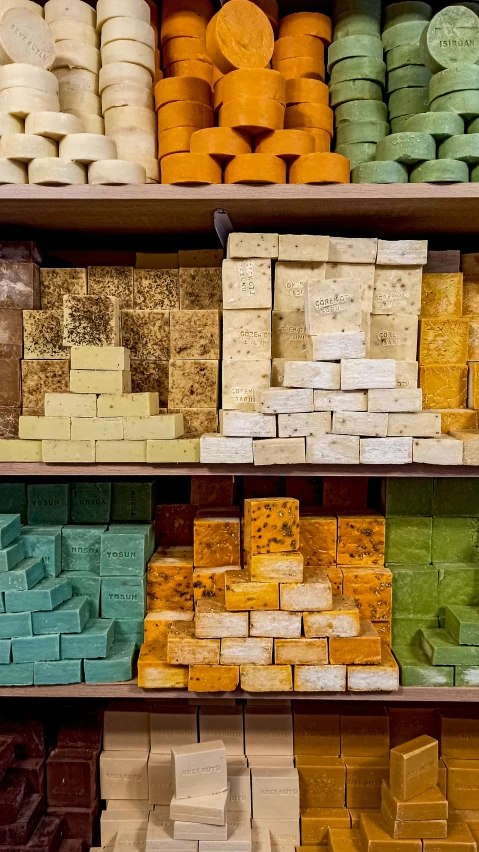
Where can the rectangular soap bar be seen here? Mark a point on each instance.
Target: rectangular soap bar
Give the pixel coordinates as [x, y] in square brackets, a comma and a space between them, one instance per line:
[69, 617]
[122, 596]
[430, 804]
[462, 622]
[24, 576]
[123, 554]
[45, 544]
[72, 777]
[58, 672]
[16, 674]
[88, 586]
[199, 769]
[32, 649]
[414, 767]
[116, 667]
[46, 595]
[81, 548]
[9, 529]
[95, 640]
[15, 624]
[49, 503]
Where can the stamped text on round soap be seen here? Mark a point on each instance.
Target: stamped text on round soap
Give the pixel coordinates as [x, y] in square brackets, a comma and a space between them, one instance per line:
[453, 36]
[25, 37]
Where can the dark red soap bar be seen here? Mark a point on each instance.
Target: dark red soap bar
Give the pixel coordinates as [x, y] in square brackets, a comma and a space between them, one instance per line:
[6, 754]
[47, 836]
[18, 833]
[72, 778]
[12, 793]
[28, 736]
[79, 823]
[33, 769]
[74, 846]
[81, 729]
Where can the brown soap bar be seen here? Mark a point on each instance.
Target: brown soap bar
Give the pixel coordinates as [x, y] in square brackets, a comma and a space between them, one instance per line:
[10, 384]
[375, 837]
[47, 836]
[43, 335]
[11, 333]
[112, 281]
[19, 285]
[193, 384]
[345, 492]
[364, 777]
[415, 830]
[6, 754]
[195, 334]
[156, 289]
[81, 823]
[459, 839]
[72, 777]
[12, 794]
[408, 722]
[322, 781]
[28, 735]
[431, 804]
[57, 283]
[174, 525]
[151, 377]
[443, 261]
[316, 729]
[364, 732]
[41, 377]
[197, 421]
[201, 289]
[74, 846]
[18, 833]
[459, 734]
[9, 422]
[80, 728]
[91, 321]
[214, 491]
[414, 767]
[33, 769]
[20, 250]
[146, 334]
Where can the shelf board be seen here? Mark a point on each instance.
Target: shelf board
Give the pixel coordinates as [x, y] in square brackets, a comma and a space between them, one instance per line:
[368, 209]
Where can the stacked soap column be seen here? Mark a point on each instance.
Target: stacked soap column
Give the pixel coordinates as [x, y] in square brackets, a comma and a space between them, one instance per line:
[183, 40]
[408, 77]
[72, 783]
[184, 106]
[126, 83]
[470, 310]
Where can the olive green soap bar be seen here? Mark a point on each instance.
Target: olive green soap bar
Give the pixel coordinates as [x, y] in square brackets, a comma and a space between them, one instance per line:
[464, 103]
[408, 32]
[88, 586]
[408, 540]
[408, 101]
[123, 554]
[358, 45]
[361, 131]
[11, 555]
[359, 68]
[406, 629]
[417, 670]
[354, 23]
[354, 90]
[415, 590]
[441, 125]
[24, 576]
[407, 148]
[466, 676]
[399, 125]
[464, 148]
[44, 543]
[407, 497]
[15, 624]
[46, 595]
[456, 496]
[133, 501]
[474, 174]
[405, 54]
[451, 38]
[123, 596]
[408, 10]
[383, 171]
[32, 649]
[49, 503]
[91, 502]
[9, 529]
[94, 641]
[361, 111]
[58, 672]
[440, 171]
[69, 617]
[358, 152]
[408, 77]
[456, 79]
[13, 500]
[16, 674]
[463, 623]
[441, 649]
[116, 667]
[5, 651]
[455, 540]
[458, 584]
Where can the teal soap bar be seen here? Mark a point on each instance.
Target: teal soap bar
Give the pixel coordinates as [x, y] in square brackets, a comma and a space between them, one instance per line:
[123, 596]
[466, 676]
[146, 529]
[94, 641]
[46, 595]
[458, 584]
[408, 540]
[129, 628]
[88, 586]
[33, 649]
[407, 497]
[406, 629]
[133, 501]
[462, 622]
[44, 543]
[415, 589]
[10, 526]
[442, 649]
[5, 651]
[91, 502]
[24, 576]
[2, 601]
[69, 617]
[16, 674]
[417, 670]
[58, 672]
[123, 554]
[14, 624]
[81, 548]
[116, 667]
[456, 496]
[13, 500]
[455, 540]
[11, 555]
[49, 503]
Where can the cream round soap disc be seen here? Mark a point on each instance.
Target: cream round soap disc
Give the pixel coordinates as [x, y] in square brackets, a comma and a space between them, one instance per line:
[87, 148]
[70, 10]
[75, 31]
[134, 140]
[23, 147]
[56, 172]
[25, 37]
[107, 9]
[21, 101]
[5, 5]
[116, 173]
[77, 78]
[130, 117]
[116, 73]
[150, 164]
[125, 94]
[74, 54]
[116, 29]
[53, 125]
[82, 101]
[28, 77]
[91, 123]
[11, 124]
[129, 51]
[12, 171]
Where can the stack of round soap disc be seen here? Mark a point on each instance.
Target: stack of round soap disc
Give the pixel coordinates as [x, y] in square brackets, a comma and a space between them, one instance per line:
[190, 169]
[253, 101]
[256, 169]
[380, 171]
[320, 168]
[87, 148]
[464, 148]
[292, 54]
[116, 173]
[27, 88]
[456, 89]
[451, 38]
[183, 39]
[189, 95]
[24, 147]
[11, 124]
[5, 5]
[314, 118]
[407, 148]
[56, 172]
[53, 125]
[222, 143]
[408, 78]
[239, 36]
[359, 18]
[288, 145]
[271, 10]
[307, 92]
[25, 38]
[441, 125]
[440, 171]
[12, 171]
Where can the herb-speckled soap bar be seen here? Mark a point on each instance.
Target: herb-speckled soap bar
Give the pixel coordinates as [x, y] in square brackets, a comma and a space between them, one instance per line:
[117, 666]
[46, 595]
[271, 525]
[69, 617]
[94, 641]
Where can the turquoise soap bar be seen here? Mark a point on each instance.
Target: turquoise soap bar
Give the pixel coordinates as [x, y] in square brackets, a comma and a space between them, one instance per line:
[94, 641]
[32, 649]
[47, 544]
[91, 502]
[456, 496]
[59, 672]
[49, 503]
[415, 589]
[15, 624]
[458, 584]
[123, 596]
[81, 548]
[440, 171]
[88, 586]
[123, 554]
[466, 676]
[9, 529]
[24, 576]
[13, 500]
[407, 497]
[441, 649]
[2, 601]
[12, 555]
[5, 651]
[147, 529]
[455, 540]
[417, 670]
[16, 674]
[46, 595]
[129, 628]
[408, 540]
[69, 617]
[133, 501]
[463, 623]
[406, 629]
[116, 667]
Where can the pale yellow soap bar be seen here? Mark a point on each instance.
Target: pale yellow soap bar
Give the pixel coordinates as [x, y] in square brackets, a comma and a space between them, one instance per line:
[97, 429]
[121, 451]
[127, 404]
[100, 381]
[44, 428]
[74, 452]
[168, 451]
[13, 450]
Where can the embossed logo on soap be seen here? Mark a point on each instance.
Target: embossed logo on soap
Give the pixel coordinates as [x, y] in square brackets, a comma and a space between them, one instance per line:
[201, 770]
[246, 277]
[336, 304]
[32, 45]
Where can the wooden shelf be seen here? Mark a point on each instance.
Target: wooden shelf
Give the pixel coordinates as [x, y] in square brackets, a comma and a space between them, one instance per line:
[27, 469]
[368, 209]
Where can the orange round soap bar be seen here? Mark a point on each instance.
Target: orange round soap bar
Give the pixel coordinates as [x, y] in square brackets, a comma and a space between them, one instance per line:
[307, 23]
[240, 36]
[252, 115]
[287, 144]
[218, 96]
[192, 68]
[256, 169]
[184, 114]
[291, 47]
[202, 8]
[221, 142]
[173, 89]
[179, 21]
[175, 141]
[254, 83]
[322, 140]
[320, 168]
[305, 90]
[302, 66]
[190, 169]
[309, 115]
[182, 49]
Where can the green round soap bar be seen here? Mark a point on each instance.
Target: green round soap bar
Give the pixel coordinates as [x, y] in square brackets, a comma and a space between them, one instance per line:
[407, 148]
[361, 131]
[343, 7]
[409, 10]
[354, 90]
[457, 79]
[380, 172]
[359, 152]
[408, 101]
[470, 4]
[465, 148]
[440, 171]
[408, 33]
[398, 125]
[408, 77]
[359, 68]
[464, 103]
[357, 23]
[472, 127]
[474, 175]
[361, 45]
[441, 125]
[451, 38]
[405, 54]
[360, 111]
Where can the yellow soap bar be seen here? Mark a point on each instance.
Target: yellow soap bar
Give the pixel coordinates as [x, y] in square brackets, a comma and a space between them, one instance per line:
[278, 567]
[459, 839]
[155, 673]
[375, 836]
[322, 781]
[209, 582]
[316, 822]
[473, 385]
[361, 540]
[216, 542]
[302, 652]
[429, 805]
[441, 294]
[371, 590]
[443, 386]
[170, 580]
[359, 650]
[364, 777]
[266, 678]
[242, 594]
[157, 624]
[213, 678]
[318, 539]
[341, 620]
[316, 729]
[443, 341]
[364, 732]
[470, 297]
[413, 767]
[459, 418]
[344, 840]
[271, 525]
[184, 649]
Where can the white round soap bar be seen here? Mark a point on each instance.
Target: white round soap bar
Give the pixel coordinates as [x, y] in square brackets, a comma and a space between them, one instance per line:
[13, 172]
[23, 147]
[124, 72]
[21, 101]
[82, 101]
[75, 31]
[11, 124]
[107, 9]
[53, 125]
[127, 28]
[87, 148]
[70, 10]
[77, 78]
[134, 140]
[91, 123]
[5, 5]
[150, 164]
[129, 51]
[125, 94]
[25, 37]
[56, 172]
[74, 54]
[130, 117]
[116, 173]
[28, 77]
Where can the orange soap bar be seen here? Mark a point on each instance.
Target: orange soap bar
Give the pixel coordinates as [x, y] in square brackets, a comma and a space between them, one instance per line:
[364, 779]
[322, 781]
[252, 115]
[361, 539]
[192, 68]
[271, 525]
[183, 22]
[256, 169]
[316, 822]
[170, 581]
[184, 114]
[175, 141]
[213, 678]
[335, 577]
[254, 83]
[356, 650]
[155, 673]
[384, 631]
[375, 836]
[216, 542]
[292, 47]
[190, 169]
[181, 49]
[371, 590]
[218, 96]
[240, 36]
[271, 10]
[319, 538]
[307, 23]
[302, 66]
[173, 89]
[322, 140]
[309, 115]
[220, 142]
[286, 144]
[414, 767]
[320, 168]
[305, 90]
